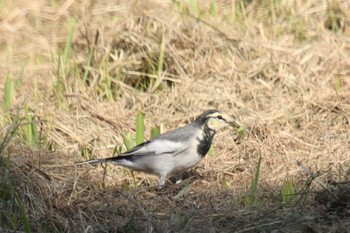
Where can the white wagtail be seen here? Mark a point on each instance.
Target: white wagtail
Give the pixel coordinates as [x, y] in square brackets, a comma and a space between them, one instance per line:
[175, 151]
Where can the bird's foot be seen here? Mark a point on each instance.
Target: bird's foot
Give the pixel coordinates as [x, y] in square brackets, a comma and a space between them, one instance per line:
[178, 179]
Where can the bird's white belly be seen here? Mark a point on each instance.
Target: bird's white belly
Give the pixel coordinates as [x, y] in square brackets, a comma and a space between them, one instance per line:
[183, 162]
[168, 164]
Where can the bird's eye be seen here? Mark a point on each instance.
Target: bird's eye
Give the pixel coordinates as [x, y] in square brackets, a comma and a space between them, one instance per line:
[220, 117]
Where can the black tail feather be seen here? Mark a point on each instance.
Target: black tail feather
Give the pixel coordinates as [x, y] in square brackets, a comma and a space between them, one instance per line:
[95, 161]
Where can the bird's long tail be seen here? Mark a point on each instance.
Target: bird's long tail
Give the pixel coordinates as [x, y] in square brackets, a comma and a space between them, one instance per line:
[95, 161]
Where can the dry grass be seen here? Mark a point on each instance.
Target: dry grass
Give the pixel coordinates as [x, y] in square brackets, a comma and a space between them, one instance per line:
[282, 68]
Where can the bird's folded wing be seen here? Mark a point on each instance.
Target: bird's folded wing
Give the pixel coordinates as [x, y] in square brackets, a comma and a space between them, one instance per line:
[157, 147]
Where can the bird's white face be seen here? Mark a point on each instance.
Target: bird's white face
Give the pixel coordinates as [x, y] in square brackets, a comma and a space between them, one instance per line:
[219, 120]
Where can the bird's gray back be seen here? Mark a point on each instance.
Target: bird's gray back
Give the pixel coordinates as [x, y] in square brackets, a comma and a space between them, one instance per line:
[180, 134]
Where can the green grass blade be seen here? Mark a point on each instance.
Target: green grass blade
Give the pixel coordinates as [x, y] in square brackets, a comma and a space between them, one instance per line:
[140, 128]
[213, 9]
[19, 78]
[256, 181]
[108, 88]
[8, 93]
[88, 65]
[161, 58]
[128, 141]
[338, 84]
[35, 134]
[155, 131]
[68, 48]
[242, 130]
[9, 134]
[253, 197]
[159, 72]
[22, 209]
[288, 192]
[10, 88]
[31, 131]
[195, 7]
[8, 193]
[28, 128]
[64, 69]
[60, 85]
[86, 152]
[211, 151]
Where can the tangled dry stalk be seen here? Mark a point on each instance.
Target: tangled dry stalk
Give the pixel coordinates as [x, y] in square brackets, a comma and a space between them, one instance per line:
[282, 70]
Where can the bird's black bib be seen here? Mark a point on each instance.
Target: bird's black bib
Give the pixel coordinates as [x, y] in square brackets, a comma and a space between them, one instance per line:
[205, 143]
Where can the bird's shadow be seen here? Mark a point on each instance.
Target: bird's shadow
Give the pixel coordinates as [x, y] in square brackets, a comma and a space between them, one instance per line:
[186, 176]
[171, 187]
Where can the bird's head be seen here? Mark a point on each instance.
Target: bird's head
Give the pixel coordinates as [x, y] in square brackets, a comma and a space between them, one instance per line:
[216, 120]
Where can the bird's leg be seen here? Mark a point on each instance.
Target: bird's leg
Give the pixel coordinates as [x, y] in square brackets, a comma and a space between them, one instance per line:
[161, 181]
[178, 178]
[133, 176]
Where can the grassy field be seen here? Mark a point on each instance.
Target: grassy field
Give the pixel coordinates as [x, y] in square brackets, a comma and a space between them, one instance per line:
[75, 75]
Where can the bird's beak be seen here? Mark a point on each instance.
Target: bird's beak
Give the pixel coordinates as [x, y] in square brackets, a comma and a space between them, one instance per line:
[235, 124]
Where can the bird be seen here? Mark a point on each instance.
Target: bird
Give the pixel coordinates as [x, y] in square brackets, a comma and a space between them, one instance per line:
[173, 152]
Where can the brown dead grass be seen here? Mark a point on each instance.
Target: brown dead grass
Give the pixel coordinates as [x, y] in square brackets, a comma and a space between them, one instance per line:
[288, 84]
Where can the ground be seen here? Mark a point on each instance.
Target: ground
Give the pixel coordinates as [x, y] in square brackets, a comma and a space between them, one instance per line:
[75, 75]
